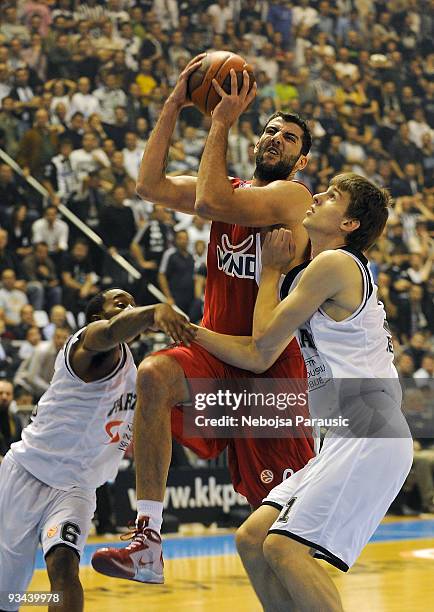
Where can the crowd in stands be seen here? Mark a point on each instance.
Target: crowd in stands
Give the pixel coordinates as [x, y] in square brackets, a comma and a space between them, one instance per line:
[81, 85]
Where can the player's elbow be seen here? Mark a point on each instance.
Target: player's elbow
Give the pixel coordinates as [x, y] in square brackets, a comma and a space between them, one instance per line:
[258, 367]
[143, 190]
[260, 361]
[204, 208]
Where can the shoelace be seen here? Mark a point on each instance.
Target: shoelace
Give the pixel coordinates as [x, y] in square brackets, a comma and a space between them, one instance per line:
[138, 536]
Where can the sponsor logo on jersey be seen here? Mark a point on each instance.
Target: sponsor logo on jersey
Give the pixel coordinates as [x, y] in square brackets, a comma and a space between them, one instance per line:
[51, 531]
[112, 429]
[127, 401]
[234, 260]
[267, 476]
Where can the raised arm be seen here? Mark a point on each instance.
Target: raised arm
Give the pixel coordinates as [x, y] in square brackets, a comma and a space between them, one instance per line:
[104, 335]
[283, 202]
[177, 193]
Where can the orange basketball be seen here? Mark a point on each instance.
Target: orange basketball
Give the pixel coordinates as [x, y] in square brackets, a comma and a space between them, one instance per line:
[216, 65]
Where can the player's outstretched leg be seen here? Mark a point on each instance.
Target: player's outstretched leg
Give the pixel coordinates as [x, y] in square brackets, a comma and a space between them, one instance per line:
[250, 539]
[160, 386]
[62, 567]
[309, 585]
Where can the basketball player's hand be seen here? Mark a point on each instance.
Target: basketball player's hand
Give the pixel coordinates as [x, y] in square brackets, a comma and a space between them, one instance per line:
[173, 324]
[232, 105]
[179, 94]
[278, 250]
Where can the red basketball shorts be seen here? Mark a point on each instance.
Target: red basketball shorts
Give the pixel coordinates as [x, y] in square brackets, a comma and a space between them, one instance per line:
[256, 465]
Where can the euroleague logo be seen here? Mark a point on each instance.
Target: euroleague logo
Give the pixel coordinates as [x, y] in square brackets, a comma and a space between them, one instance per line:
[267, 476]
[51, 531]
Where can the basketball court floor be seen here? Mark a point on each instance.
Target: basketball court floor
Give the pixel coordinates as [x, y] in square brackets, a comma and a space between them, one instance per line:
[395, 573]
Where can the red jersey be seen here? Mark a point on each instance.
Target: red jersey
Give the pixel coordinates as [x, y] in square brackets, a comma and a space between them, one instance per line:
[233, 273]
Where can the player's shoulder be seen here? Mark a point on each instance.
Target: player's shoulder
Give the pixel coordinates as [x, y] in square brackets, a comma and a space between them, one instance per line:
[296, 190]
[329, 257]
[332, 263]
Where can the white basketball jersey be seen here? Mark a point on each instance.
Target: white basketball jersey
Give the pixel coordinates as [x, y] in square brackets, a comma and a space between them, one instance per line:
[358, 347]
[80, 431]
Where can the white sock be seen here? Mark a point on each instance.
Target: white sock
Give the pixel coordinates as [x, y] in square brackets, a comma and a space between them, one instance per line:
[153, 509]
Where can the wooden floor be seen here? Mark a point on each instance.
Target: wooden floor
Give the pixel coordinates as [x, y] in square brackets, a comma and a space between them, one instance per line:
[390, 576]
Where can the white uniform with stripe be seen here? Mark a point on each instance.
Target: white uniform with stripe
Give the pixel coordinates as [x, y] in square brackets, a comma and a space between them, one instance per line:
[335, 502]
[47, 480]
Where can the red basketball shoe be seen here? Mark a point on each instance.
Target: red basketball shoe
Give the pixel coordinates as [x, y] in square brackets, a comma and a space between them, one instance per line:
[142, 560]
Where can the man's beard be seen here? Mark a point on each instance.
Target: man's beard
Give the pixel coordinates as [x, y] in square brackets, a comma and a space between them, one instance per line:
[269, 172]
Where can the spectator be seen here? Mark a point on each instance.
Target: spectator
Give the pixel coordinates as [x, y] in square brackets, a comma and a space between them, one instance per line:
[198, 230]
[87, 159]
[176, 274]
[27, 320]
[425, 373]
[145, 79]
[90, 201]
[352, 151]
[34, 56]
[32, 339]
[109, 97]
[404, 151]
[59, 58]
[40, 271]
[418, 127]
[10, 193]
[51, 230]
[220, 13]
[38, 145]
[36, 372]
[59, 177]
[268, 64]
[12, 299]
[78, 277]
[9, 126]
[24, 95]
[116, 175]
[58, 318]
[10, 424]
[132, 155]
[74, 131]
[285, 90]
[83, 101]
[147, 248]
[118, 129]
[279, 19]
[19, 231]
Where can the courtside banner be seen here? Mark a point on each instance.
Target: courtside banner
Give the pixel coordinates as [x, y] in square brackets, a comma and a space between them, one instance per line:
[193, 495]
[294, 408]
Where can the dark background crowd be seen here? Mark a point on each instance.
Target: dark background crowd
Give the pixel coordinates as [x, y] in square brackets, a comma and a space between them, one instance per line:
[82, 84]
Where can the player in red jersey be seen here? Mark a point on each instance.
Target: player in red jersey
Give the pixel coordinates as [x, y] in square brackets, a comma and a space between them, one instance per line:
[240, 211]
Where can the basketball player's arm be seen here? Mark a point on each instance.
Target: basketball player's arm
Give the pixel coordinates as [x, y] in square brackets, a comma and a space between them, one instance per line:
[177, 193]
[275, 325]
[104, 335]
[280, 202]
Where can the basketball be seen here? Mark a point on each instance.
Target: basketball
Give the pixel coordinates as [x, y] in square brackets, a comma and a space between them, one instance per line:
[216, 65]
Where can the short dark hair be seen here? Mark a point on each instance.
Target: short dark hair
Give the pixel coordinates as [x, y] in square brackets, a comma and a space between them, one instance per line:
[294, 118]
[368, 204]
[95, 306]
[81, 241]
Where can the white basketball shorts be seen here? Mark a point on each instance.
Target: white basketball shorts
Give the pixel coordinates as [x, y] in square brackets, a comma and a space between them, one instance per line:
[335, 503]
[32, 512]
